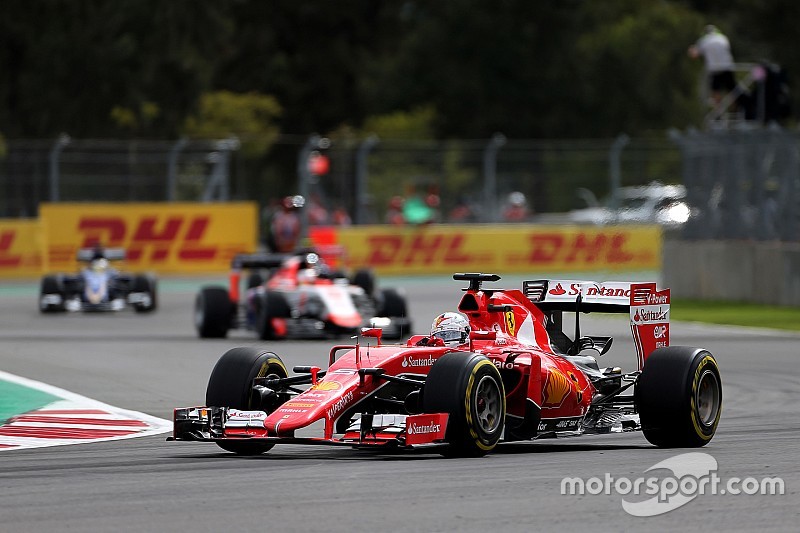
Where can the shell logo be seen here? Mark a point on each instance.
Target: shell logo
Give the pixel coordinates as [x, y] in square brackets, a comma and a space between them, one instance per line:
[326, 386]
[556, 388]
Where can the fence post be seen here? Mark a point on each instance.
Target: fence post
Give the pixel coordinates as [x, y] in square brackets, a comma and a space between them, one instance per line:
[172, 167]
[490, 176]
[614, 167]
[55, 154]
[220, 172]
[362, 173]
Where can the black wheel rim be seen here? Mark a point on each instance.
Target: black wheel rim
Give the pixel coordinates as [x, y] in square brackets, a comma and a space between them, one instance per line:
[707, 398]
[488, 404]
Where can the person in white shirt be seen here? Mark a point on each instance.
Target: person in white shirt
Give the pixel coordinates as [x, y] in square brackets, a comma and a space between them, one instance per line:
[715, 49]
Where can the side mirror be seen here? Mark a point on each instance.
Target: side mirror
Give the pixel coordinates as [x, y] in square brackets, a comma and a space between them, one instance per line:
[375, 333]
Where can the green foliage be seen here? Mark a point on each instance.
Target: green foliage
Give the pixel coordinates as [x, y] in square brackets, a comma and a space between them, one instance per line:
[416, 124]
[565, 69]
[250, 117]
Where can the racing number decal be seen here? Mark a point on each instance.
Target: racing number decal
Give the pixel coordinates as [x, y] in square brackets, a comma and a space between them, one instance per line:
[511, 323]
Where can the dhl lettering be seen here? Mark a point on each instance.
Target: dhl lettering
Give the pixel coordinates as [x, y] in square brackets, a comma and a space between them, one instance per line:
[582, 247]
[109, 231]
[417, 249]
[153, 237]
[6, 258]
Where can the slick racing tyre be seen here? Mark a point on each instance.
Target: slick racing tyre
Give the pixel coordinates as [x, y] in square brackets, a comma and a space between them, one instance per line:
[212, 312]
[51, 286]
[679, 397]
[147, 284]
[469, 388]
[231, 385]
[270, 305]
[365, 279]
[392, 304]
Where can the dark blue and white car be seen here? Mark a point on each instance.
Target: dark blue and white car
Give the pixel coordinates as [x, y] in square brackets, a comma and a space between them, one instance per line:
[98, 286]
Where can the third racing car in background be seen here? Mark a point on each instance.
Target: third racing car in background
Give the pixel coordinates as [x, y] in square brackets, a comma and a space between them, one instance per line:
[298, 296]
[98, 287]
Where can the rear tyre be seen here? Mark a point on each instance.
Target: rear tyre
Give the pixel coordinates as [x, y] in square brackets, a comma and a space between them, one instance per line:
[679, 397]
[254, 280]
[231, 385]
[51, 286]
[469, 388]
[212, 312]
[365, 279]
[392, 304]
[271, 305]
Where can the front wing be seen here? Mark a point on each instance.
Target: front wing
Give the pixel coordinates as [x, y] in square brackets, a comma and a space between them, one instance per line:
[212, 424]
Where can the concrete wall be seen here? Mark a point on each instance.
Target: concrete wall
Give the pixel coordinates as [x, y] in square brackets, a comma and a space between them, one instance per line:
[760, 272]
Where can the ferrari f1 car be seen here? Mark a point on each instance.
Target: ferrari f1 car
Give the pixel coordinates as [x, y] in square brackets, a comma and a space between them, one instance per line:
[98, 286]
[298, 296]
[517, 376]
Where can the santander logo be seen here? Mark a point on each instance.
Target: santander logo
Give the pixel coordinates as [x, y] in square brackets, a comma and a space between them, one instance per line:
[417, 429]
[409, 361]
[558, 290]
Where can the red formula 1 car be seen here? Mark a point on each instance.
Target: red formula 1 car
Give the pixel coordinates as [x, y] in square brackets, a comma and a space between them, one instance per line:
[517, 376]
[298, 295]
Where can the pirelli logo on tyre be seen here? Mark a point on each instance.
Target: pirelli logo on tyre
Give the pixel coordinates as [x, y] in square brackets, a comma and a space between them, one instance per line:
[167, 238]
[442, 249]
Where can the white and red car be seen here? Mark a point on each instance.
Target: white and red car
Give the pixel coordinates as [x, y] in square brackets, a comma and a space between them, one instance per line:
[298, 296]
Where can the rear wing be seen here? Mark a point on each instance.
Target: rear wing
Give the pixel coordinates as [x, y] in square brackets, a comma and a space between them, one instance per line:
[647, 306]
[241, 261]
[111, 254]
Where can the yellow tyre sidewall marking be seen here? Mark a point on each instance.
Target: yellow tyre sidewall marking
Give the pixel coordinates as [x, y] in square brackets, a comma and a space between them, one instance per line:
[698, 427]
[468, 402]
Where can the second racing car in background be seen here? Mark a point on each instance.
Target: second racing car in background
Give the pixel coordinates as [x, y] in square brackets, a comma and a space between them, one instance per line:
[298, 295]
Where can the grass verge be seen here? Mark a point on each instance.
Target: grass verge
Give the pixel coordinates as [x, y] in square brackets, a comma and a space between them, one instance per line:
[736, 314]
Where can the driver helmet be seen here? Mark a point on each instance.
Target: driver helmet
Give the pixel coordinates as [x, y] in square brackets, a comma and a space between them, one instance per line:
[99, 264]
[452, 328]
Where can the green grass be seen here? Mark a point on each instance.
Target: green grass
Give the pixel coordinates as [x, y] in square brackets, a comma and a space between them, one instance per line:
[736, 314]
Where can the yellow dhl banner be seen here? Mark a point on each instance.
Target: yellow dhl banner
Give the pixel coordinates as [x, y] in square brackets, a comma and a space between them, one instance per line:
[164, 238]
[20, 249]
[443, 249]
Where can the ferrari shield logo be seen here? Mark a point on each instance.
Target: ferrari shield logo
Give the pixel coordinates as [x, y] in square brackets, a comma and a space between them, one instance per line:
[511, 324]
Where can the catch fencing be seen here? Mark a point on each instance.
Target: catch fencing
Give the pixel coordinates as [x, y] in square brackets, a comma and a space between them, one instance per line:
[741, 184]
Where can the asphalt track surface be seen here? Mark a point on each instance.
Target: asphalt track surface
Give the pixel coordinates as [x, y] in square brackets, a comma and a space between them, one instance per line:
[152, 363]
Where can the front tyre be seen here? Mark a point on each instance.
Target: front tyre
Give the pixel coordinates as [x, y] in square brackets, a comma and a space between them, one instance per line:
[679, 397]
[146, 284]
[469, 388]
[231, 385]
[51, 295]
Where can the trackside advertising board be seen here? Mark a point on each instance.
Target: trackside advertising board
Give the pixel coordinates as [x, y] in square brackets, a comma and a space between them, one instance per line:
[20, 248]
[444, 249]
[159, 237]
